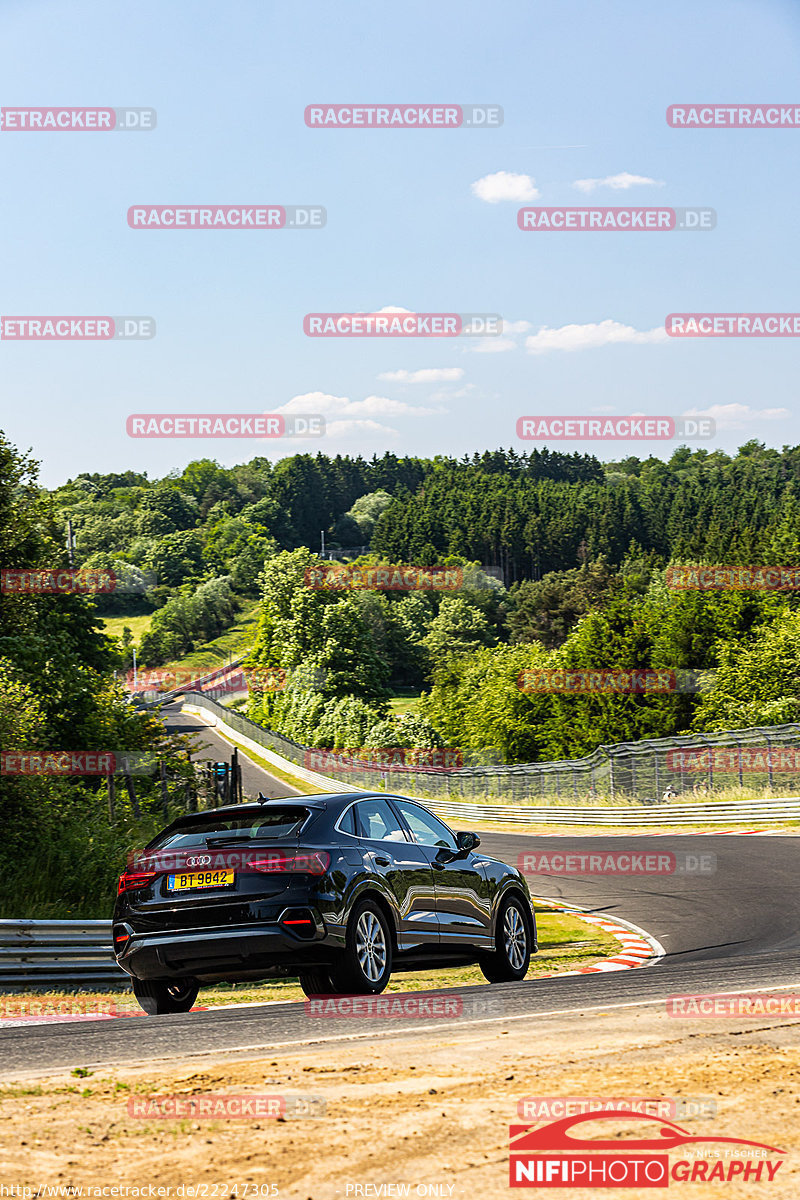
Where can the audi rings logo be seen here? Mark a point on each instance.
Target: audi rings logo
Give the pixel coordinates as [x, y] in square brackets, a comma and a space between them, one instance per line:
[200, 860]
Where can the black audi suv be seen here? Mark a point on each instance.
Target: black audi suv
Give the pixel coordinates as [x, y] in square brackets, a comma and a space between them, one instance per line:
[338, 889]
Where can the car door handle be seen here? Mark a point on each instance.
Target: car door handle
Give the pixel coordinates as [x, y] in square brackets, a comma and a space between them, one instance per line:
[381, 861]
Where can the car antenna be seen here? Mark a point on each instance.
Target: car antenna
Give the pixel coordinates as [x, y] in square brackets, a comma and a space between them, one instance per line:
[262, 799]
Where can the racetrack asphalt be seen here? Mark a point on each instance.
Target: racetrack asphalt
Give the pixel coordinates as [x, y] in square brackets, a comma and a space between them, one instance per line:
[734, 927]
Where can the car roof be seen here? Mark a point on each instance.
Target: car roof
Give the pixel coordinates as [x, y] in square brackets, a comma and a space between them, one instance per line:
[312, 800]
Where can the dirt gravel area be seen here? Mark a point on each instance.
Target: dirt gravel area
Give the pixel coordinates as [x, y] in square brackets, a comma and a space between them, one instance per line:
[425, 1112]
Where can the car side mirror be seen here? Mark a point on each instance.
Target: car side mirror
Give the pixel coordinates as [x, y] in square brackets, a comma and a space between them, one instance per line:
[467, 841]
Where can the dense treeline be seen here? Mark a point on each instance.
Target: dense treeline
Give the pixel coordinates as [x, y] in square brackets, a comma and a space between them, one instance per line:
[525, 515]
[59, 854]
[564, 562]
[697, 506]
[575, 552]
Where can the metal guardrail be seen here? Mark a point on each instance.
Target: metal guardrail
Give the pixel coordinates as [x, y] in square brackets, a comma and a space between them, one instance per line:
[199, 681]
[732, 812]
[57, 954]
[627, 777]
[650, 811]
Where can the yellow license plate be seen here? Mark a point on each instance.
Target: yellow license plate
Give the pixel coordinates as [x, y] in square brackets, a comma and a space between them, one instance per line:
[200, 879]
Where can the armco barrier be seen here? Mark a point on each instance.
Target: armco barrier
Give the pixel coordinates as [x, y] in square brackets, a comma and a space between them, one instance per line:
[57, 954]
[439, 789]
[200, 681]
[732, 812]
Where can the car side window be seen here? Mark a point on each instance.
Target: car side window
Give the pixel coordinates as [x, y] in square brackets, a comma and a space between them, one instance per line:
[348, 822]
[376, 821]
[427, 829]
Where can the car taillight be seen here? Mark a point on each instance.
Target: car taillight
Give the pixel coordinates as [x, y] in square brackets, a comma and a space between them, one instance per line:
[130, 881]
[309, 862]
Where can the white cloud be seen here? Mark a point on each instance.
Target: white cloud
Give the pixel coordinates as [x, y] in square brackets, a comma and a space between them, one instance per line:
[620, 182]
[587, 337]
[736, 416]
[516, 326]
[393, 308]
[344, 428]
[456, 395]
[493, 345]
[425, 375]
[343, 406]
[505, 185]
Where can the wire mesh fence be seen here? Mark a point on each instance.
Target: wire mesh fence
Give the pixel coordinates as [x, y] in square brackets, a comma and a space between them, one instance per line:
[653, 771]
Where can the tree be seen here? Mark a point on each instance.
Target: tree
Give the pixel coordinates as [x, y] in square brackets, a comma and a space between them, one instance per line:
[756, 683]
[546, 610]
[457, 628]
[176, 558]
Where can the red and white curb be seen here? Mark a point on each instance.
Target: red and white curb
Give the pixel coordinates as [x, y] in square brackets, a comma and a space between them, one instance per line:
[639, 948]
[17, 1020]
[598, 832]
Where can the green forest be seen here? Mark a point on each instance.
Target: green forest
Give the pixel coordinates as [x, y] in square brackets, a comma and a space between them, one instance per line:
[564, 562]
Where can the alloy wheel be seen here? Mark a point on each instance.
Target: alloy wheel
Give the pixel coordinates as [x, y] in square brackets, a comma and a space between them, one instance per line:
[515, 936]
[371, 946]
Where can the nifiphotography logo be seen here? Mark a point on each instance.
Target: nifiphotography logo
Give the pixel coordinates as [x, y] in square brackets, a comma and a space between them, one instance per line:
[555, 1156]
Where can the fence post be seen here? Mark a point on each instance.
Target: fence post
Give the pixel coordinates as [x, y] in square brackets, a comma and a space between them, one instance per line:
[164, 791]
[655, 761]
[234, 788]
[132, 794]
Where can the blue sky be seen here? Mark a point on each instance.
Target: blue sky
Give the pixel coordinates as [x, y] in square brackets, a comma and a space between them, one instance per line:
[584, 88]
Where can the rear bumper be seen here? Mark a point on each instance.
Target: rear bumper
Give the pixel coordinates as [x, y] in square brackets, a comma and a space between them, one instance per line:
[233, 953]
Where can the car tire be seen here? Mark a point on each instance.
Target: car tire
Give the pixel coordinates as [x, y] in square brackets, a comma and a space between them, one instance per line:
[512, 955]
[158, 996]
[316, 983]
[365, 965]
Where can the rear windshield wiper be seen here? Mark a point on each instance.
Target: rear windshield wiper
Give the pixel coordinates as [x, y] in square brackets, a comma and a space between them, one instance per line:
[226, 841]
[214, 842]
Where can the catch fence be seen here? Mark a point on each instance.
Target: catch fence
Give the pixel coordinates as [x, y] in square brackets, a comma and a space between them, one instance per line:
[660, 771]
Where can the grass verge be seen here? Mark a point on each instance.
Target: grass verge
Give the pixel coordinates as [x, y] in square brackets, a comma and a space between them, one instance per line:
[114, 626]
[565, 943]
[237, 640]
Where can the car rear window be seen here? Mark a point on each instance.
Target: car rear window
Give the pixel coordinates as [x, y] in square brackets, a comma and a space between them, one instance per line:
[273, 823]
